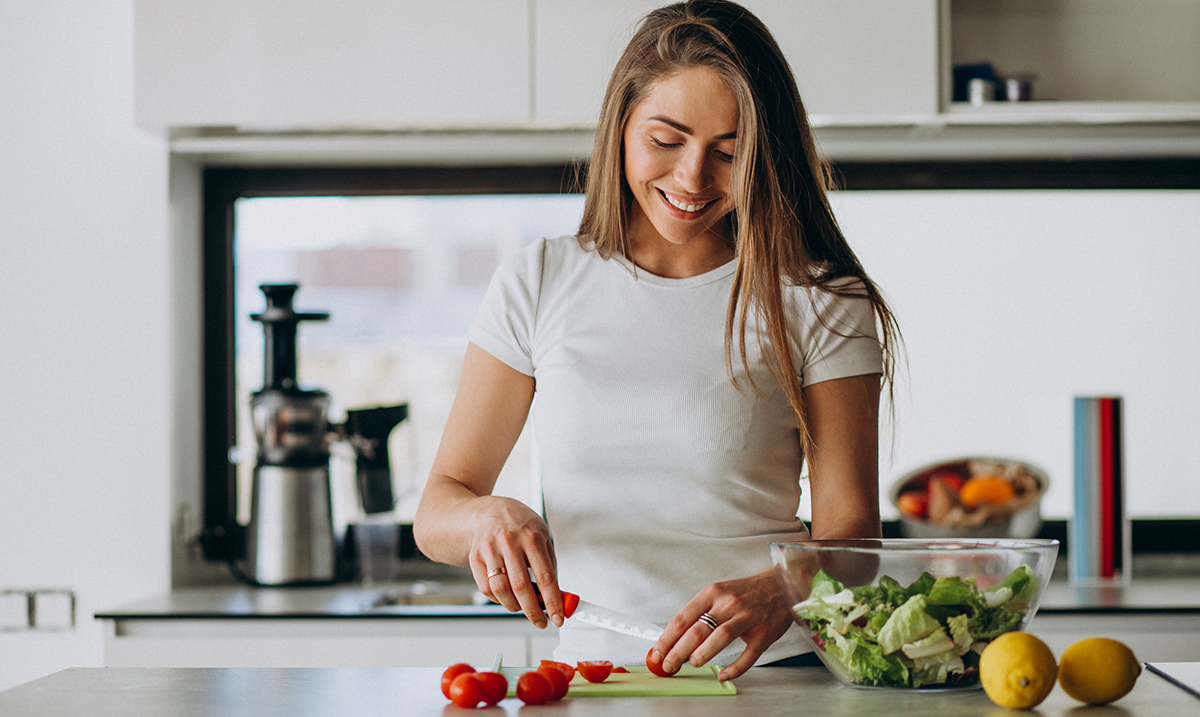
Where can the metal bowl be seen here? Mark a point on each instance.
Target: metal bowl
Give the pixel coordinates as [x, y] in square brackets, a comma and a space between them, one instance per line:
[1024, 523]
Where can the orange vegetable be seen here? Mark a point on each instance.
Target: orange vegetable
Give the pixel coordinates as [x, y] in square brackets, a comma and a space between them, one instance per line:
[986, 489]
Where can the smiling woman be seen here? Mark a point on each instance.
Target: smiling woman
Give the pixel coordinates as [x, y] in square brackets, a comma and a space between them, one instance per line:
[679, 148]
[705, 208]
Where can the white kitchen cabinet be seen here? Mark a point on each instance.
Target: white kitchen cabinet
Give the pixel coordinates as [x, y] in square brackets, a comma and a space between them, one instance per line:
[313, 64]
[855, 61]
[332, 642]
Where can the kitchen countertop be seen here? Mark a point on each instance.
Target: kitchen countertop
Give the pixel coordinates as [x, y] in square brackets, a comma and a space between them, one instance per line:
[435, 599]
[364, 692]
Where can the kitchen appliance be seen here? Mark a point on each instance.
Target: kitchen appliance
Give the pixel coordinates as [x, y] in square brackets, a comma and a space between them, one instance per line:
[291, 536]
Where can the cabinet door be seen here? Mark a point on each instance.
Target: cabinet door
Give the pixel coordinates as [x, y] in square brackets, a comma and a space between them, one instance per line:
[311, 63]
[851, 57]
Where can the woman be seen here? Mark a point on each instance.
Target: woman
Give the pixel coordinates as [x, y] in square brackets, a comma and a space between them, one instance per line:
[672, 448]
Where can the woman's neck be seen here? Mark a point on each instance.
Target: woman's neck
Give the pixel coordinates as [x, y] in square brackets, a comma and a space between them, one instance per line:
[650, 251]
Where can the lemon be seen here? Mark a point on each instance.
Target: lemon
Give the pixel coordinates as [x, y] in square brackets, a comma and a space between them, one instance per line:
[1017, 670]
[1098, 670]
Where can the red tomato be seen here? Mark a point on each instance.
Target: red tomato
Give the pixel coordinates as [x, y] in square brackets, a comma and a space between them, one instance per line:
[567, 670]
[467, 690]
[570, 602]
[534, 688]
[451, 672]
[620, 669]
[953, 480]
[656, 667]
[914, 503]
[495, 686]
[558, 681]
[596, 670]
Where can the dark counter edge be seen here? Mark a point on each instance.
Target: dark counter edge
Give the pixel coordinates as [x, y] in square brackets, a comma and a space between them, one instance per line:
[1147, 535]
[432, 612]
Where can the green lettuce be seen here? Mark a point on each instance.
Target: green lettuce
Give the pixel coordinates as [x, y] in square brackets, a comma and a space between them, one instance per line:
[928, 633]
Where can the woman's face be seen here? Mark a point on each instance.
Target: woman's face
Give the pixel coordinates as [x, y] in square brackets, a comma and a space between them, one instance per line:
[679, 149]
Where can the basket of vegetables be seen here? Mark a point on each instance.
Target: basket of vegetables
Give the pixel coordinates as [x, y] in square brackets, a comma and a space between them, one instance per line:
[971, 498]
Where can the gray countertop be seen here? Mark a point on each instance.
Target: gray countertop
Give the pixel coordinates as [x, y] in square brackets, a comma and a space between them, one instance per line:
[399, 692]
[440, 599]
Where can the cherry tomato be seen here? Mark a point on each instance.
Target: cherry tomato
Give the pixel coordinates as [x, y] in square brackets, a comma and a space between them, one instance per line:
[953, 480]
[558, 681]
[534, 688]
[595, 670]
[914, 503]
[619, 669]
[656, 667]
[567, 670]
[570, 602]
[451, 672]
[467, 690]
[495, 686]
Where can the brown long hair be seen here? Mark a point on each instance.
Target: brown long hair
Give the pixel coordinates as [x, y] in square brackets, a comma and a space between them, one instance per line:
[784, 230]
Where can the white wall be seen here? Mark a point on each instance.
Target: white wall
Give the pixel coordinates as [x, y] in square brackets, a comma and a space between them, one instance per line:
[1013, 302]
[84, 319]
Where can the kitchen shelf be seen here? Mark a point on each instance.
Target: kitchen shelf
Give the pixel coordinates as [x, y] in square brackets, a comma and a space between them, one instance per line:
[1091, 60]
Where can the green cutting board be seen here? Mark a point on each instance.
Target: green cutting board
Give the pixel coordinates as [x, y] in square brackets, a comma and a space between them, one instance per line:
[638, 682]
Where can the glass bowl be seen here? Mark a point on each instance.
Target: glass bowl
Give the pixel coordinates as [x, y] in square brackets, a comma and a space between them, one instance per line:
[910, 613]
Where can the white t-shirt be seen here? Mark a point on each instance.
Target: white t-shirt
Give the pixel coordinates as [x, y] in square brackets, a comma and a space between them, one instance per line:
[659, 476]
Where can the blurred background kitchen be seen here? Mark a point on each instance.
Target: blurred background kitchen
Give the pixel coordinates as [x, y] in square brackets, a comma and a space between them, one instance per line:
[1034, 249]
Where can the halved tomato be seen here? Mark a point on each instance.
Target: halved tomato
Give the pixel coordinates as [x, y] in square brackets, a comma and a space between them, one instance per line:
[595, 670]
[567, 670]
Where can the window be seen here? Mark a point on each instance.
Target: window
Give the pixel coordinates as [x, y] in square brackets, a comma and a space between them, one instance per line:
[400, 267]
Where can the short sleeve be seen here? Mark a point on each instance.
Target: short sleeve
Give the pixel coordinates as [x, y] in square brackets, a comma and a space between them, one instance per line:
[838, 337]
[504, 326]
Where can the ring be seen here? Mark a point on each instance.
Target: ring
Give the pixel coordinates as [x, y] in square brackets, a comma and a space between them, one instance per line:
[498, 571]
[709, 620]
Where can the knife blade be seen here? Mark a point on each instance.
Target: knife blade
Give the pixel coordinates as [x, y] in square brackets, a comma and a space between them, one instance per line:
[598, 616]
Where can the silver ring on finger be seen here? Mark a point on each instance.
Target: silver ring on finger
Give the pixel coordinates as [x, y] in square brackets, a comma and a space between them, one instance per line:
[709, 620]
[496, 571]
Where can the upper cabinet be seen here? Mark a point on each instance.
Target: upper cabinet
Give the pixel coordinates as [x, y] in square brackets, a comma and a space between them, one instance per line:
[864, 67]
[855, 61]
[317, 64]
[1125, 60]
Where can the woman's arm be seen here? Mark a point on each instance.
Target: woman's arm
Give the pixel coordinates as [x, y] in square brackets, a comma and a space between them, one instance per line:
[843, 416]
[459, 521]
[843, 472]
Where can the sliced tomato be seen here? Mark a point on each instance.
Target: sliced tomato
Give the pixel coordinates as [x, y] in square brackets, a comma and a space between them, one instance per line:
[495, 686]
[656, 667]
[567, 670]
[451, 672]
[570, 602]
[620, 670]
[595, 670]
[467, 690]
[534, 688]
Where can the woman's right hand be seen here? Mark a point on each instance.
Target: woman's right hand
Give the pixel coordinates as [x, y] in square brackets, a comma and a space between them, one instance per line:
[460, 522]
[510, 550]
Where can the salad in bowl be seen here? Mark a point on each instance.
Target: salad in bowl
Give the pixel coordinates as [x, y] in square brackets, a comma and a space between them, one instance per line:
[912, 614]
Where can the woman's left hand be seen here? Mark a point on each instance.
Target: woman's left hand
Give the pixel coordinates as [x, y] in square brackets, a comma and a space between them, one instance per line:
[751, 608]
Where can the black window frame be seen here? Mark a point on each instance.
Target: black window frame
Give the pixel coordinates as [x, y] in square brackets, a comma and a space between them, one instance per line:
[223, 538]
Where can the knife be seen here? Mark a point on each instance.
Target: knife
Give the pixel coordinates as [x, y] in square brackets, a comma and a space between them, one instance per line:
[591, 614]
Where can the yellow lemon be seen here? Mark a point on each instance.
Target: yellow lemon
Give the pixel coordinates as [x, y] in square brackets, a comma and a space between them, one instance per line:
[1017, 670]
[1098, 670]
